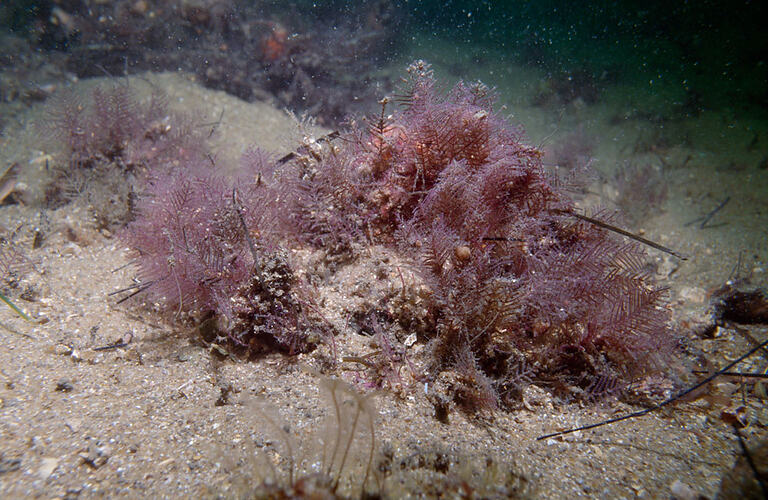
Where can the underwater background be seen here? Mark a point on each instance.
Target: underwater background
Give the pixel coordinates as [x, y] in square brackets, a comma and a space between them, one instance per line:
[654, 77]
[653, 115]
[673, 61]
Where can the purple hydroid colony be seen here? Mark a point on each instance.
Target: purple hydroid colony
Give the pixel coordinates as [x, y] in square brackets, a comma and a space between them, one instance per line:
[517, 288]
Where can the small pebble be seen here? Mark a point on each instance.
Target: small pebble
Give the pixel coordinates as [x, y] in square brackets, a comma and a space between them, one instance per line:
[96, 456]
[47, 467]
[681, 491]
[62, 350]
[64, 386]
[139, 8]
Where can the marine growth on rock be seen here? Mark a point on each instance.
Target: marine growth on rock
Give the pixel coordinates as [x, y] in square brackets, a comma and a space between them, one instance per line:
[518, 289]
[516, 284]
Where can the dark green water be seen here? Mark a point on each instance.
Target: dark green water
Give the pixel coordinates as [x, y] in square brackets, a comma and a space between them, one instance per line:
[708, 54]
[705, 54]
[694, 72]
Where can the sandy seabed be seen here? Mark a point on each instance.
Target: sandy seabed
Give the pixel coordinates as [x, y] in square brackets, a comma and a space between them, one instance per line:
[165, 416]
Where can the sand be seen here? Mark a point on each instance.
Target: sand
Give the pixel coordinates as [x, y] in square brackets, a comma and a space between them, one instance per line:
[166, 416]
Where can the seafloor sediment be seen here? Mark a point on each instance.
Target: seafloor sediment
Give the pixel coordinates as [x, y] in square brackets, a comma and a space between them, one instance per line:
[167, 416]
